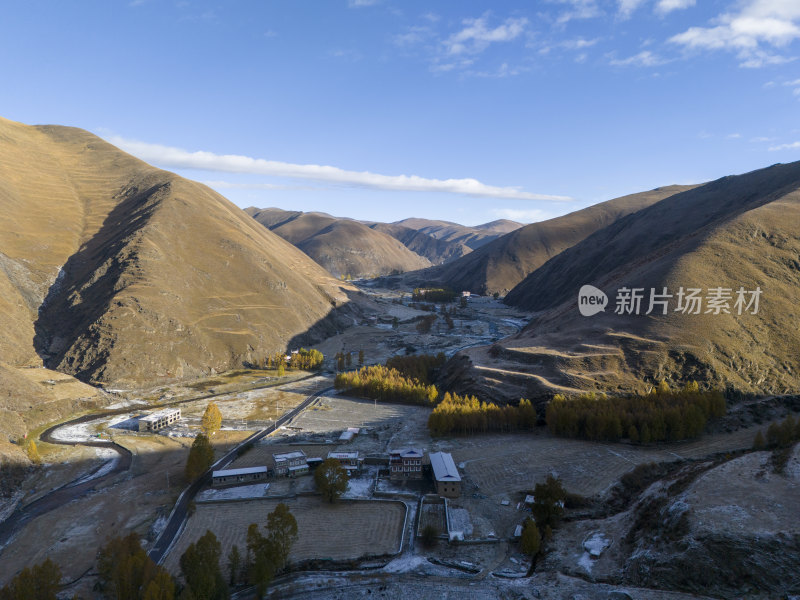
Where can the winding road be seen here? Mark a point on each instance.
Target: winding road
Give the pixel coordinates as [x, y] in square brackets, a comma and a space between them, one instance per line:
[170, 532]
[86, 484]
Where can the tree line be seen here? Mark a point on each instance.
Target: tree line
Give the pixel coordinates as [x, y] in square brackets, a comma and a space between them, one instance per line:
[433, 294]
[467, 415]
[379, 382]
[302, 359]
[662, 415]
[421, 367]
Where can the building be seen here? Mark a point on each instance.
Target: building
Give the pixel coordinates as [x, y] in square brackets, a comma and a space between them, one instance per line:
[349, 434]
[159, 420]
[349, 460]
[291, 464]
[405, 463]
[445, 475]
[237, 476]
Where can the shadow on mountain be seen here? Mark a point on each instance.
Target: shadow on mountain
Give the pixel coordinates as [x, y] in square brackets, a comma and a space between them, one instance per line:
[89, 280]
[343, 316]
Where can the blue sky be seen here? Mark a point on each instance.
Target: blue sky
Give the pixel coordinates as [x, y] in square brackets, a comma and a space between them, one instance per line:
[382, 109]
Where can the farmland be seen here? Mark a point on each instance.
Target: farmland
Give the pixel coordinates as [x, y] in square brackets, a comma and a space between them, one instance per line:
[341, 531]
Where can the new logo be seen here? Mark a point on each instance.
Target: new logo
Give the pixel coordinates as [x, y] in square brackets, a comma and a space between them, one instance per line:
[591, 300]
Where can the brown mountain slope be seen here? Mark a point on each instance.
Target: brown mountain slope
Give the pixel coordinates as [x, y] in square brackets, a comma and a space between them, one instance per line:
[160, 277]
[435, 250]
[737, 232]
[472, 237]
[342, 246]
[502, 263]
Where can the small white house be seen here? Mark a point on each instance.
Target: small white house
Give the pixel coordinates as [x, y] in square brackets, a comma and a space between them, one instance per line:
[238, 476]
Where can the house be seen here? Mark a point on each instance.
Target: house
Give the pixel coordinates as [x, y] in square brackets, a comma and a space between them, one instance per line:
[405, 463]
[349, 460]
[465, 294]
[237, 476]
[445, 475]
[159, 420]
[349, 434]
[290, 464]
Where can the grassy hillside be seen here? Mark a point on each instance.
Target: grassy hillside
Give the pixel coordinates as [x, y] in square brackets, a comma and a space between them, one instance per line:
[737, 232]
[501, 264]
[115, 271]
[344, 247]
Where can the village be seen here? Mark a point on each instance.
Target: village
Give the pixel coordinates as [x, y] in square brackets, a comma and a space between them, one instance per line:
[452, 508]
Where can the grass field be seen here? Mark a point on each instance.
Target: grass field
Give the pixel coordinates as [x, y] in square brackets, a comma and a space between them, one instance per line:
[338, 531]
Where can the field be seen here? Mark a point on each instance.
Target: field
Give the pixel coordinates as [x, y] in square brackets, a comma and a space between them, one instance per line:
[339, 531]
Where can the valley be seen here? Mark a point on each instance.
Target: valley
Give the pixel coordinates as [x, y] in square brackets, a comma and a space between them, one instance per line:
[497, 472]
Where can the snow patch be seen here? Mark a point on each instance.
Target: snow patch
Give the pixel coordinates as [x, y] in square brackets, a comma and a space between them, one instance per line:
[405, 564]
[358, 488]
[240, 492]
[595, 544]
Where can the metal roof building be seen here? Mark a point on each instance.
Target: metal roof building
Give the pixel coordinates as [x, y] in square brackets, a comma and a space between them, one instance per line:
[445, 474]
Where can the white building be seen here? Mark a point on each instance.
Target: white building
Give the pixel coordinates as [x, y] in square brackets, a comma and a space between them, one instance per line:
[237, 476]
[159, 420]
[291, 463]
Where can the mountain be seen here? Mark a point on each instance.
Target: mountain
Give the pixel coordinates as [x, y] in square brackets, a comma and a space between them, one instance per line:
[739, 232]
[114, 271]
[502, 263]
[342, 246]
[472, 237]
[435, 250]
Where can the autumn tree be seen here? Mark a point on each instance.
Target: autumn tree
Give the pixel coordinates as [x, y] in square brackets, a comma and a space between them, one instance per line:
[161, 587]
[125, 572]
[331, 479]
[269, 554]
[360, 358]
[32, 451]
[234, 565]
[201, 457]
[531, 540]
[212, 419]
[260, 560]
[201, 569]
[758, 441]
[39, 582]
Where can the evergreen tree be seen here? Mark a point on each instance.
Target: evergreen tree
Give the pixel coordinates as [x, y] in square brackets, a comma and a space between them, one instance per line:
[201, 457]
[360, 358]
[548, 504]
[212, 419]
[331, 479]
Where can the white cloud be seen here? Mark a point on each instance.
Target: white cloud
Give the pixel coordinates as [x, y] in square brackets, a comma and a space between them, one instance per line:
[645, 58]
[231, 163]
[733, 136]
[532, 215]
[667, 6]
[233, 185]
[760, 139]
[476, 36]
[578, 9]
[361, 3]
[578, 43]
[757, 23]
[628, 7]
[792, 146]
